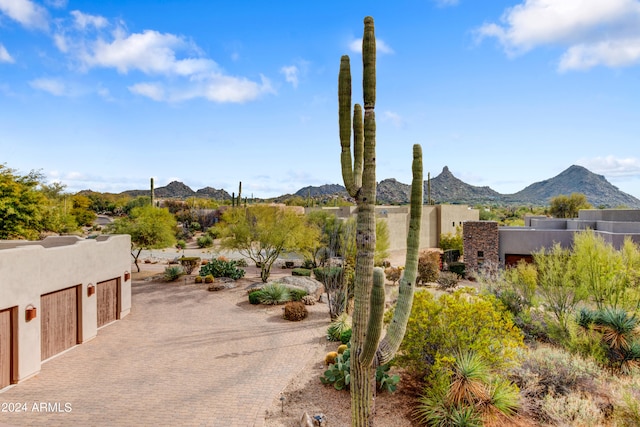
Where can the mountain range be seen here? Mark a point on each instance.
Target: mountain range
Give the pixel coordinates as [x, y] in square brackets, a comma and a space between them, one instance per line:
[446, 188]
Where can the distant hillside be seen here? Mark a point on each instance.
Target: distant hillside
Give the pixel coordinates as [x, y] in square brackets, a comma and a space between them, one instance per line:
[178, 190]
[576, 179]
[323, 190]
[445, 188]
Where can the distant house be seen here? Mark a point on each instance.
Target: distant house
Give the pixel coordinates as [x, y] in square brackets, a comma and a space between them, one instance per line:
[56, 293]
[484, 241]
[436, 221]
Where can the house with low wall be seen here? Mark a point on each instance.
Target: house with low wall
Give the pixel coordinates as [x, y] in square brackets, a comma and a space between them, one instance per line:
[56, 293]
[436, 221]
[516, 243]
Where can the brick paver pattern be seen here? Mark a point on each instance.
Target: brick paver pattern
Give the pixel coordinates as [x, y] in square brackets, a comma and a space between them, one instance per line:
[183, 356]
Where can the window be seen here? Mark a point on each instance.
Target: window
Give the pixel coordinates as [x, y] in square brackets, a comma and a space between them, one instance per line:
[480, 254]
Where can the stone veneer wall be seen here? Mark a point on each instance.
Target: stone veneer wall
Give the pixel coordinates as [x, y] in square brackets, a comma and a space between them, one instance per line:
[480, 236]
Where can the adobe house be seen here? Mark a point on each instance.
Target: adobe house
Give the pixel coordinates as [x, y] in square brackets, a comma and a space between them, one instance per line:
[436, 221]
[56, 293]
[507, 245]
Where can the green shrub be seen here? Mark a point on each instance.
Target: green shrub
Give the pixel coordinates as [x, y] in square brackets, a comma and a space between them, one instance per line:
[305, 272]
[274, 293]
[308, 264]
[254, 297]
[438, 328]
[181, 244]
[222, 268]
[328, 274]
[447, 280]
[173, 273]
[241, 262]
[295, 311]
[204, 241]
[627, 411]
[428, 266]
[339, 374]
[189, 263]
[458, 268]
[297, 294]
[345, 336]
[337, 326]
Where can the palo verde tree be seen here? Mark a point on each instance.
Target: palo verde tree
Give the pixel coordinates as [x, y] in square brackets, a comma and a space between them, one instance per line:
[359, 175]
[563, 206]
[149, 227]
[21, 204]
[262, 233]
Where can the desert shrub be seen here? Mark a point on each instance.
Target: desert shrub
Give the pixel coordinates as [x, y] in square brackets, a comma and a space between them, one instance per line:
[627, 410]
[308, 264]
[393, 274]
[295, 310]
[173, 273]
[181, 244]
[339, 373]
[222, 268]
[428, 266]
[345, 336]
[447, 280]
[199, 279]
[204, 241]
[274, 293]
[464, 391]
[241, 262]
[574, 409]
[189, 263]
[254, 297]
[438, 328]
[548, 376]
[458, 268]
[208, 278]
[328, 274]
[305, 272]
[522, 279]
[337, 326]
[297, 294]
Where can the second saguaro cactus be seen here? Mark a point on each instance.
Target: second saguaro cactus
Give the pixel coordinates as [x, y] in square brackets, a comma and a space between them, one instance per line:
[359, 175]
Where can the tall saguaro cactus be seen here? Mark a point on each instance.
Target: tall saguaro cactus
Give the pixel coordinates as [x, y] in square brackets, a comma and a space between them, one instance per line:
[359, 175]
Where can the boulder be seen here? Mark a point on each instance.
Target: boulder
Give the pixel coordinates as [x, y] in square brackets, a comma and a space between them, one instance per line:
[312, 286]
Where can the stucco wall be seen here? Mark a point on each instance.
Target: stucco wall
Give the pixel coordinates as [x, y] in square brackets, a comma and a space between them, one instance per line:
[31, 269]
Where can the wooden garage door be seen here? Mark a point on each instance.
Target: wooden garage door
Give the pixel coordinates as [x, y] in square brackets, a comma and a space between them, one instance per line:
[59, 321]
[107, 302]
[5, 348]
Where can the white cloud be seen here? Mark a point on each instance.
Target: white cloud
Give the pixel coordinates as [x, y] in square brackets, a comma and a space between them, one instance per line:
[290, 74]
[594, 32]
[150, 52]
[381, 46]
[4, 55]
[57, 4]
[83, 20]
[26, 12]
[394, 118]
[446, 3]
[612, 166]
[154, 91]
[214, 87]
[52, 86]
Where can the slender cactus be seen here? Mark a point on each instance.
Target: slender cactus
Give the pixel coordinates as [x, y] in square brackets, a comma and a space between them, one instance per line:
[359, 175]
[152, 193]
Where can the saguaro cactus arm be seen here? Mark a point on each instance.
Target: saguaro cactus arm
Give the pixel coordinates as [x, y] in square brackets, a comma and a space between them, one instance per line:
[376, 313]
[395, 333]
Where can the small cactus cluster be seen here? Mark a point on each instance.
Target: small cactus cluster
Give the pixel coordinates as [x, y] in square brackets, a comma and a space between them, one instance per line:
[330, 357]
[309, 300]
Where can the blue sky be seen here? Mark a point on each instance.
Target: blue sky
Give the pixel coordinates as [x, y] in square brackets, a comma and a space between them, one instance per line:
[104, 95]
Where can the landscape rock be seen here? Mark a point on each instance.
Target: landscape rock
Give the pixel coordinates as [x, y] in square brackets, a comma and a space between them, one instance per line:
[312, 286]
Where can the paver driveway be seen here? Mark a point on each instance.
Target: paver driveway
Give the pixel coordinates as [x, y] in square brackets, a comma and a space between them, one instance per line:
[184, 356]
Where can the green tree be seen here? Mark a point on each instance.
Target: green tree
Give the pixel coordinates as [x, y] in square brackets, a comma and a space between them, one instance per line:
[149, 227]
[21, 204]
[557, 283]
[452, 241]
[564, 206]
[262, 233]
[81, 210]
